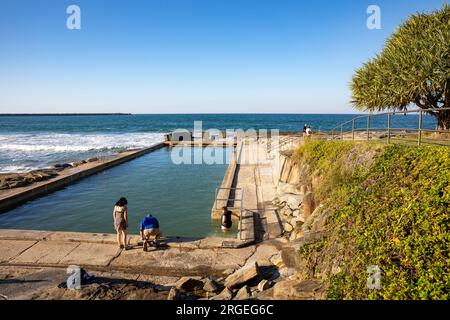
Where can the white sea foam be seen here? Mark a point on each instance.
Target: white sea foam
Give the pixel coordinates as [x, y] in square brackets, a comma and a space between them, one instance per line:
[76, 142]
[24, 152]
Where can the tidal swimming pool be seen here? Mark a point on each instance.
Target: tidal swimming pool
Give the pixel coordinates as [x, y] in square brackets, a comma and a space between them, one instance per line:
[179, 195]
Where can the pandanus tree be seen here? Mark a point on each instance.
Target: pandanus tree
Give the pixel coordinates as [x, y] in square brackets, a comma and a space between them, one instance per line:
[412, 69]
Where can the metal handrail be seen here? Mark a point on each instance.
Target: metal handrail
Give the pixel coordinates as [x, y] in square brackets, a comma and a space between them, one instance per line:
[340, 128]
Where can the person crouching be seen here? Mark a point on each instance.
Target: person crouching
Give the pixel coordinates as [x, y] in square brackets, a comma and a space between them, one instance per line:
[149, 230]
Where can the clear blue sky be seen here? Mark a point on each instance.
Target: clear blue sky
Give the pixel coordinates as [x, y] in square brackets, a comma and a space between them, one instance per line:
[189, 56]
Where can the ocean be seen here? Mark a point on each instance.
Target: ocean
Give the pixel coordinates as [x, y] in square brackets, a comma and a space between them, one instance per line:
[34, 142]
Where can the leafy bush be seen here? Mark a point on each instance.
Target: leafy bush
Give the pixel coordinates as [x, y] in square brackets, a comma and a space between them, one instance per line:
[390, 210]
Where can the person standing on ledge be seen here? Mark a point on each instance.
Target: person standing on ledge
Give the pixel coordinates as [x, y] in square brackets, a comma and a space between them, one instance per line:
[226, 221]
[120, 215]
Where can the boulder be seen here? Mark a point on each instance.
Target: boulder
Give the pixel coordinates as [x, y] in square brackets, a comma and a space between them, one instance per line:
[263, 285]
[294, 202]
[242, 294]
[174, 294]
[189, 284]
[242, 276]
[293, 289]
[227, 272]
[288, 227]
[286, 211]
[226, 294]
[287, 188]
[277, 261]
[92, 159]
[210, 285]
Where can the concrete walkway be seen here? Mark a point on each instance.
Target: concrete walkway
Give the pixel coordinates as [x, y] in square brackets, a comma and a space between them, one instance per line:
[100, 252]
[256, 177]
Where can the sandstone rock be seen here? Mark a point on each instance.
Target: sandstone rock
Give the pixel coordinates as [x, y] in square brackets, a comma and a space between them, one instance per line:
[287, 188]
[292, 289]
[174, 294]
[297, 222]
[242, 294]
[297, 213]
[210, 285]
[288, 227]
[277, 261]
[308, 204]
[189, 284]
[286, 211]
[242, 276]
[264, 285]
[286, 272]
[226, 294]
[294, 201]
[227, 272]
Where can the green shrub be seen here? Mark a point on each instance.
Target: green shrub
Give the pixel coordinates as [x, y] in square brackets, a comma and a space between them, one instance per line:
[390, 210]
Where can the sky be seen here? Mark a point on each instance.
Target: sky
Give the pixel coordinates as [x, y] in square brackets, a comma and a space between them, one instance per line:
[189, 56]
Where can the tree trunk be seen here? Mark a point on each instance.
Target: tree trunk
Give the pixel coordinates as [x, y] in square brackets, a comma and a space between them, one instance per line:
[443, 120]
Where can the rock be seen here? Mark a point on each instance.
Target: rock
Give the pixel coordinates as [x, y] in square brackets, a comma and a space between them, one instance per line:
[79, 163]
[308, 204]
[294, 236]
[242, 294]
[288, 227]
[287, 272]
[226, 294]
[242, 276]
[287, 188]
[63, 165]
[227, 272]
[263, 285]
[303, 189]
[297, 222]
[286, 211]
[297, 213]
[18, 184]
[174, 294]
[292, 289]
[294, 202]
[277, 261]
[189, 284]
[210, 285]
[92, 159]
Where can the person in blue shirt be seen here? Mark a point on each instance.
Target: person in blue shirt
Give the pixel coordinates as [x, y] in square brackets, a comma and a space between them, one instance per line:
[149, 230]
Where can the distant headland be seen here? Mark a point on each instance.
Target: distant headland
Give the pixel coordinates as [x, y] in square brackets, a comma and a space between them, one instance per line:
[61, 114]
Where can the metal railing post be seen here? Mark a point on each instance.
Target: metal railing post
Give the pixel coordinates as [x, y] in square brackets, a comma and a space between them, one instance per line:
[368, 126]
[353, 130]
[389, 128]
[419, 140]
[342, 132]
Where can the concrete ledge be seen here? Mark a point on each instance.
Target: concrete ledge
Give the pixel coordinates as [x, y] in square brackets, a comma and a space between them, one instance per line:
[15, 197]
[178, 257]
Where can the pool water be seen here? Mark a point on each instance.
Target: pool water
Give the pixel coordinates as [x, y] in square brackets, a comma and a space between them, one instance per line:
[180, 196]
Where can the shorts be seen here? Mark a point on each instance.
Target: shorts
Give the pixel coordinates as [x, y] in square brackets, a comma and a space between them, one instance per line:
[151, 233]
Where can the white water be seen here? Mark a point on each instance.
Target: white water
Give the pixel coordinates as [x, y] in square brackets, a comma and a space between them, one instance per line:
[25, 152]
